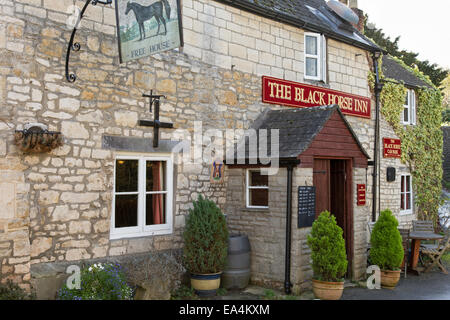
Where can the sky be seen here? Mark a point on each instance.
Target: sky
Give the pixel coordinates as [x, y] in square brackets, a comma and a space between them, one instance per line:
[423, 26]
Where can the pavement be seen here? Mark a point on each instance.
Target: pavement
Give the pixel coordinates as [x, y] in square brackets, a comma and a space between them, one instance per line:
[433, 285]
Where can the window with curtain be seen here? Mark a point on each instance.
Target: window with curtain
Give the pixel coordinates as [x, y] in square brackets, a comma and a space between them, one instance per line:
[315, 56]
[142, 197]
[406, 195]
[257, 189]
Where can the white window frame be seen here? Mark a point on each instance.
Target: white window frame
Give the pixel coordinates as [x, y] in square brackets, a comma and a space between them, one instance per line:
[411, 198]
[411, 106]
[248, 188]
[321, 57]
[141, 230]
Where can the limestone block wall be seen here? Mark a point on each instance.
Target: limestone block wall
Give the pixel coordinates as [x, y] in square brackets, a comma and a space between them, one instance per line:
[390, 191]
[57, 205]
[266, 229]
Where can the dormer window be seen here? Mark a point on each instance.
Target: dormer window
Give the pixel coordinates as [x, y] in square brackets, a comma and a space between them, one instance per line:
[315, 57]
[409, 108]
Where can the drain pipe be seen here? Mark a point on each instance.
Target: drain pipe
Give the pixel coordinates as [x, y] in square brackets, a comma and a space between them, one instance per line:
[378, 88]
[287, 270]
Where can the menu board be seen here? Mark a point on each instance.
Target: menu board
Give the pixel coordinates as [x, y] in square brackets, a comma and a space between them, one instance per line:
[306, 206]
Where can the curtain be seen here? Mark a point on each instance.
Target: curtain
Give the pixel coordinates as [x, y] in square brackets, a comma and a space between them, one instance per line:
[157, 198]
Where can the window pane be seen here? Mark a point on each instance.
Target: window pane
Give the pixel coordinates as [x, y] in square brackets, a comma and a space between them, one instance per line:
[258, 180]
[311, 45]
[407, 99]
[156, 176]
[403, 184]
[408, 183]
[408, 201]
[405, 115]
[311, 67]
[126, 175]
[126, 207]
[402, 202]
[155, 211]
[259, 197]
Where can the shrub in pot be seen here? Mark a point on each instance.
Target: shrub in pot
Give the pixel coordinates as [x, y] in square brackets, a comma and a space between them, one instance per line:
[386, 248]
[329, 259]
[205, 246]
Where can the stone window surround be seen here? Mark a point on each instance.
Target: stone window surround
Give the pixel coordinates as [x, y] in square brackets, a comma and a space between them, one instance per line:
[141, 230]
[407, 211]
[321, 57]
[247, 190]
[411, 106]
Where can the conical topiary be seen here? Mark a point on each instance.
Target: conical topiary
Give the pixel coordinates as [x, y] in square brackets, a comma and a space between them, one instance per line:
[386, 243]
[205, 238]
[329, 260]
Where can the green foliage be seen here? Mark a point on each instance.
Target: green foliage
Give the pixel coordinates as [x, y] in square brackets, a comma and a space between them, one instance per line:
[221, 291]
[269, 294]
[421, 144]
[12, 291]
[433, 71]
[99, 282]
[205, 238]
[327, 249]
[387, 250]
[183, 293]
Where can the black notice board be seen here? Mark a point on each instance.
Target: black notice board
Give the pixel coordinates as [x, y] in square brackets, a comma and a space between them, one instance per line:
[306, 206]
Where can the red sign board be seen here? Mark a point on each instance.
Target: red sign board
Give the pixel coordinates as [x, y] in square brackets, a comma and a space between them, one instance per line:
[361, 201]
[295, 94]
[392, 148]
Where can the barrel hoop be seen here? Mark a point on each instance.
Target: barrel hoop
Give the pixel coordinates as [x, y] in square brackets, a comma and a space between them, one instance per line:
[212, 276]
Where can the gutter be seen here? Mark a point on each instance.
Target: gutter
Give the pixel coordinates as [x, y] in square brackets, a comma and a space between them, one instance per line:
[378, 88]
[287, 262]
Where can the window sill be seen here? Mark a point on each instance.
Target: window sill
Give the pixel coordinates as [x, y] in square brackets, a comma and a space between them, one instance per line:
[255, 209]
[118, 236]
[405, 213]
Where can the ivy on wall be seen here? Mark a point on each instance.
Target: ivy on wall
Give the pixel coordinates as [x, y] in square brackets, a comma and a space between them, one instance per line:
[422, 143]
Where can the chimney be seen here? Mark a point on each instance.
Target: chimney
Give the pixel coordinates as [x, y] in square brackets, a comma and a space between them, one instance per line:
[360, 14]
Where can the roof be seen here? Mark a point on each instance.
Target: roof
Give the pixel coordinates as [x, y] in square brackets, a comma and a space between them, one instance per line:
[311, 15]
[297, 129]
[394, 70]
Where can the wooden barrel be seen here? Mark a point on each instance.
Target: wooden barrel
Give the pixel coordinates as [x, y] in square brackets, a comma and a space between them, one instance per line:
[237, 271]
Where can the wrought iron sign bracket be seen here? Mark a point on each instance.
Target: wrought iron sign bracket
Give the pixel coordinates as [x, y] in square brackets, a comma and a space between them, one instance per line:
[71, 77]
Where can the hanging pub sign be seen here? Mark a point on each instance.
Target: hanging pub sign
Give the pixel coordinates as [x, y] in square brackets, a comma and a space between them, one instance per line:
[146, 27]
[392, 148]
[295, 94]
[361, 196]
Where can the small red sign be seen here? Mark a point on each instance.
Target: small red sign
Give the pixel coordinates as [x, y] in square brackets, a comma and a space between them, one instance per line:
[392, 148]
[361, 201]
[278, 91]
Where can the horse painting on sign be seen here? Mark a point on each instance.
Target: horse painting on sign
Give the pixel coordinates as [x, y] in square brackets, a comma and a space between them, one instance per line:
[145, 13]
[147, 27]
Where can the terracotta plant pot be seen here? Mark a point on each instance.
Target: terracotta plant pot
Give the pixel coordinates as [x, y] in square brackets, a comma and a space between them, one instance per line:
[328, 290]
[389, 278]
[205, 284]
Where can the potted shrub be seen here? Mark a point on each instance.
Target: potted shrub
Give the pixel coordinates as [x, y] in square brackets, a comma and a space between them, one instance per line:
[386, 248]
[329, 260]
[205, 246]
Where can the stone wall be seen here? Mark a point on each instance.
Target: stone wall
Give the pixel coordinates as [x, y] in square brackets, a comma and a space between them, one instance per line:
[57, 205]
[266, 229]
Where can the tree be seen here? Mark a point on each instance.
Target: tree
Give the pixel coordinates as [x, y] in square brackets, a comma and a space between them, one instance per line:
[436, 74]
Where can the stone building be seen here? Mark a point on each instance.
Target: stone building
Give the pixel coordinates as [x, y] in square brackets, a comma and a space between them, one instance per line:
[87, 198]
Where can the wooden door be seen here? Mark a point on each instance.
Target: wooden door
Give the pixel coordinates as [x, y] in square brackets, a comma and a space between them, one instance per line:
[321, 180]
